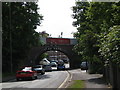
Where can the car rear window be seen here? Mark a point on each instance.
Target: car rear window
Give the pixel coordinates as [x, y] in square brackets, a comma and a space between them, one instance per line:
[27, 69]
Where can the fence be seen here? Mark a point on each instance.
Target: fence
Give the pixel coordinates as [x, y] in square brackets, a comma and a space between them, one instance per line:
[112, 75]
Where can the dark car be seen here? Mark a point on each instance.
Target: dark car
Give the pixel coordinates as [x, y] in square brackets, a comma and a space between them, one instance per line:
[60, 62]
[26, 73]
[65, 60]
[39, 69]
[61, 67]
[84, 66]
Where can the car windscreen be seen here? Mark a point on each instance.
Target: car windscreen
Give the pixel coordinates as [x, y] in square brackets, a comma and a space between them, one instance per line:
[84, 63]
[37, 66]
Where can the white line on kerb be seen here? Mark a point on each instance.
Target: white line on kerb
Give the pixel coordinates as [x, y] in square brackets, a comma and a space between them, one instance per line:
[68, 75]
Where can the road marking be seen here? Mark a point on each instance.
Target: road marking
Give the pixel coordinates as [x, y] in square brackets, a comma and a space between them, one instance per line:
[0, 86]
[69, 79]
[69, 75]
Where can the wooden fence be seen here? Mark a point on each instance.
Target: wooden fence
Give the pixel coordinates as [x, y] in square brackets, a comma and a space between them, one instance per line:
[112, 75]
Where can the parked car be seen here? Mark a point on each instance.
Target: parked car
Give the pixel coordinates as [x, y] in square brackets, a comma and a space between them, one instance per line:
[61, 67]
[53, 64]
[26, 73]
[60, 62]
[47, 67]
[54, 61]
[84, 65]
[39, 69]
[65, 60]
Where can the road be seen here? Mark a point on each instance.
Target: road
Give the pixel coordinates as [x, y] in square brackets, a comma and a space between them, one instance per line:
[49, 80]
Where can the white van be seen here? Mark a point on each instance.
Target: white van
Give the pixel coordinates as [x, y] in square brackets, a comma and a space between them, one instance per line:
[45, 62]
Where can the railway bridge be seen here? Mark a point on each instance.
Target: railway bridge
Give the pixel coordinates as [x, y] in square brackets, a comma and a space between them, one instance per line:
[64, 45]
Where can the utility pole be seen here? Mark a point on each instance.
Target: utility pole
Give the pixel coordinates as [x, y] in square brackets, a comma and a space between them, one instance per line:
[61, 34]
[11, 64]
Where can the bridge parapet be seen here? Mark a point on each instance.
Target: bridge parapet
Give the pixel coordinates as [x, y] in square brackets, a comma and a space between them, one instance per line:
[59, 41]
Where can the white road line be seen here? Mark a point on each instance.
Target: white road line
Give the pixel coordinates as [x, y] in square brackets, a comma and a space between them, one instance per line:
[69, 79]
[64, 80]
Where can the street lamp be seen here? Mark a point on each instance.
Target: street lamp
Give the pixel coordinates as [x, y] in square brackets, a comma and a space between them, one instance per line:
[61, 34]
[10, 38]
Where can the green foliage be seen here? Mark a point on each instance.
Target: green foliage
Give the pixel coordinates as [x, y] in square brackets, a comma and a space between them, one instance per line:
[44, 55]
[87, 45]
[20, 19]
[110, 45]
[78, 84]
[96, 41]
[41, 57]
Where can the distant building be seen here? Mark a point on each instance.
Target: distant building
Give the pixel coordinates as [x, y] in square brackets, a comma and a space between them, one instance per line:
[56, 55]
[43, 34]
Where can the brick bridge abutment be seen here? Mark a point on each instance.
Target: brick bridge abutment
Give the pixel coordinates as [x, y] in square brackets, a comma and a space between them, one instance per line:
[74, 59]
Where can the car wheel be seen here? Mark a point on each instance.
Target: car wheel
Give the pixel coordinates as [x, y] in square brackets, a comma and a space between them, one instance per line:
[17, 79]
[33, 77]
[42, 73]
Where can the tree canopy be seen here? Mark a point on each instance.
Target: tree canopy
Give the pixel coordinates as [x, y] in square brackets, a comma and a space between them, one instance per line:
[19, 21]
[97, 33]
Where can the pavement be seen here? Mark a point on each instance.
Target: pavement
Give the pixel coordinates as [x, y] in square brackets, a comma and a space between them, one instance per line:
[8, 78]
[92, 81]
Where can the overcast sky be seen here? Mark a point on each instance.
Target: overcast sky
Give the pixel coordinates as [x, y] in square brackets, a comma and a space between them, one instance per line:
[57, 17]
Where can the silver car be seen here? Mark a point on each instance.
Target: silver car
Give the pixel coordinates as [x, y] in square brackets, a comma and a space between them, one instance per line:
[47, 67]
[39, 69]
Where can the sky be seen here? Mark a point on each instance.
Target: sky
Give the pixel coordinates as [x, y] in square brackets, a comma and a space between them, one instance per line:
[57, 17]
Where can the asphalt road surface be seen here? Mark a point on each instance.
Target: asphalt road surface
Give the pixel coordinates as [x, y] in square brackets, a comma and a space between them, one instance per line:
[49, 80]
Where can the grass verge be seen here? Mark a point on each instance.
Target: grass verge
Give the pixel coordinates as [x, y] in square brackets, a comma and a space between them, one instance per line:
[77, 84]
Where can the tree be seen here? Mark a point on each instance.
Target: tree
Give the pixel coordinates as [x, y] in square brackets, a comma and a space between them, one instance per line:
[93, 21]
[20, 19]
[110, 45]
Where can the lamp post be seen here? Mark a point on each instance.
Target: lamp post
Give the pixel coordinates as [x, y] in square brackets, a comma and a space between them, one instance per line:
[10, 38]
[61, 34]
